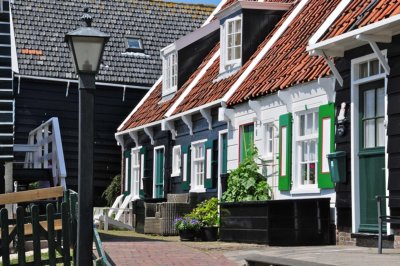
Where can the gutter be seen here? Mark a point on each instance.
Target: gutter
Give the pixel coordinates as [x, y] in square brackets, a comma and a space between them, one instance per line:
[76, 81]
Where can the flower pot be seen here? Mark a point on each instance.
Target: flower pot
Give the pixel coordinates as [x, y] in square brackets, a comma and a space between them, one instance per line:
[209, 233]
[187, 235]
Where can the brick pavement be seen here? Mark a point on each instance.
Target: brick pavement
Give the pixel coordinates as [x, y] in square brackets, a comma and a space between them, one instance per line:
[153, 253]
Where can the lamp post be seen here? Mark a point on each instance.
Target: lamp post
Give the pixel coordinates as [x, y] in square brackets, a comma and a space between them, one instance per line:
[87, 47]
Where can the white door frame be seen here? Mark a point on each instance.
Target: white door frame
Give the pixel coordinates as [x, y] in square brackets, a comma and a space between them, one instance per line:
[154, 167]
[220, 133]
[355, 130]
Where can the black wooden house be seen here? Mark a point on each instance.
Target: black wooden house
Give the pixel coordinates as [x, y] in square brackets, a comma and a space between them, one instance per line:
[38, 81]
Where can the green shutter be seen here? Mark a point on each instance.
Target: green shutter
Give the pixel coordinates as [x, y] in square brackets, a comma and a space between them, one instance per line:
[246, 141]
[142, 171]
[185, 185]
[285, 156]
[208, 180]
[127, 155]
[327, 113]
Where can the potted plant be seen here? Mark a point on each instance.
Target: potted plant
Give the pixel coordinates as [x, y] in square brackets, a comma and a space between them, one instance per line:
[207, 214]
[187, 228]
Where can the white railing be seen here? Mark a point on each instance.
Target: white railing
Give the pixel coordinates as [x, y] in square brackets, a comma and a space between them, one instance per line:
[44, 150]
[100, 214]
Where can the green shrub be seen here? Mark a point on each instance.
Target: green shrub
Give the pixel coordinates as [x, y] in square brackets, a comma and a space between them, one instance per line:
[113, 190]
[245, 183]
[206, 212]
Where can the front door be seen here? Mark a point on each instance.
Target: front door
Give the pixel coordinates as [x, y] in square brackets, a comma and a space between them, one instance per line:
[159, 173]
[372, 152]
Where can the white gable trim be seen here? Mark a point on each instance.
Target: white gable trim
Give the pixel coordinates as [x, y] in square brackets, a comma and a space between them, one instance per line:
[216, 10]
[328, 22]
[192, 85]
[141, 102]
[265, 49]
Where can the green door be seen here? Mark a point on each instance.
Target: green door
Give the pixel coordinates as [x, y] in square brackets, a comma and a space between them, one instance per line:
[224, 153]
[159, 173]
[372, 153]
[246, 141]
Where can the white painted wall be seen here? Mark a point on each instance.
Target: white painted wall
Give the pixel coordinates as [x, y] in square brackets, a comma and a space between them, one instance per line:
[308, 95]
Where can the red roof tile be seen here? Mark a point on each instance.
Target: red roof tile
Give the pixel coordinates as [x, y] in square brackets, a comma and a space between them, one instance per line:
[287, 62]
[208, 90]
[154, 108]
[360, 10]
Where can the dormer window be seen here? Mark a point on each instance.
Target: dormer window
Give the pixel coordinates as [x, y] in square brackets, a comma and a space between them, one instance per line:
[231, 44]
[134, 44]
[170, 73]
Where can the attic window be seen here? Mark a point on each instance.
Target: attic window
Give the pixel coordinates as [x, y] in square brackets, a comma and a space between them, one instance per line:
[134, 44]
[170, 73]
[231, 44]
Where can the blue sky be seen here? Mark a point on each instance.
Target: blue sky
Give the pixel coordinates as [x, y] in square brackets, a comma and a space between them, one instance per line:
[214, 2]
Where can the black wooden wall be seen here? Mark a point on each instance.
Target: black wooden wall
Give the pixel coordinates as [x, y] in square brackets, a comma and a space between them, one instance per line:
[39, 100]
[343, 94]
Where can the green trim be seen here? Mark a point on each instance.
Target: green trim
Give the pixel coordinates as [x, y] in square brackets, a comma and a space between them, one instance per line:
[325, 111]
[159, 171]
[285, 180]
[185, 185]
[128, 155]
[209, 145]
[224, 159]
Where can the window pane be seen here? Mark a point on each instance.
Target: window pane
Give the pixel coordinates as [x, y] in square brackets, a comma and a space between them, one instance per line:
[237, 52]
[380, 138]
[369, 133]
[363, 70]
[309, 121]
[238, 39]
[380, 104]
[312, 173]
[302, 124]
[315, 123]
[369, 103]
[230, 27]
[304, 174]
[238, 26]
[373, 67]
[230, 53]
[313, 149]
[304, 151]
[230, 40]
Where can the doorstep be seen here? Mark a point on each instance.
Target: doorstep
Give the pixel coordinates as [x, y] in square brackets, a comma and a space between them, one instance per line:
[371, 240]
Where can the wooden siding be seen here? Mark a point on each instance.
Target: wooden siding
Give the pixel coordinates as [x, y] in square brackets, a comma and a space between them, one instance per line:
[343, 94]
[40, 100]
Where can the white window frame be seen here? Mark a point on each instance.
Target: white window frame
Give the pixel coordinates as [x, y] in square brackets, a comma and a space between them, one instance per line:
[229, 65]
[136, 168]
[269, 142]
[297, 153]
[176, 160]
[195, 184]
[170, 73]
[354, 138]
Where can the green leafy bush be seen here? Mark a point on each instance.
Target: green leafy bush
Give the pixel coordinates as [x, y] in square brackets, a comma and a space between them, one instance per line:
[245, 183]
[206, 212]
[113, 190]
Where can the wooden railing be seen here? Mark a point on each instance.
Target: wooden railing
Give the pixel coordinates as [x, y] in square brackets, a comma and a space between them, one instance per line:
[57, 226]
[44, 150]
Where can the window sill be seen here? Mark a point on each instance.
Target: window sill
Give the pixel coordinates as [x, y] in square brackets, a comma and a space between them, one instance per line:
[198, 190]
[227, 73]
[298, 191]
[267, 158]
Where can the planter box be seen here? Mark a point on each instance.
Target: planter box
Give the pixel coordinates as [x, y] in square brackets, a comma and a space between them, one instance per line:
[277, 222]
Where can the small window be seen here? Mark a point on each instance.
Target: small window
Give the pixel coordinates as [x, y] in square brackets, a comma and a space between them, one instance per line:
[135, 173]
[176, 161]
[307, 147]
[134, 44]
[269, 139]
[231, 45]
[170, 73]
[369, 68]
[198, 161]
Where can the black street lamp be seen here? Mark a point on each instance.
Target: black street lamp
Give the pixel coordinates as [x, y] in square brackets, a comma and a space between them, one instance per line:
[87, 47]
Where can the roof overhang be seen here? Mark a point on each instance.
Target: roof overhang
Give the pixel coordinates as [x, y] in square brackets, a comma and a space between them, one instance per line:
[197, 35]
[381, 31]
[252, 5]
